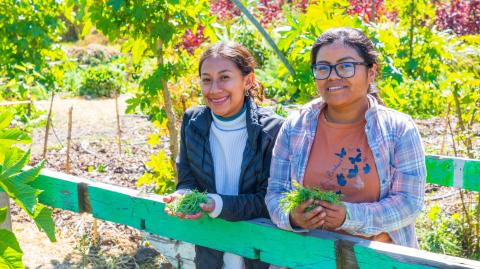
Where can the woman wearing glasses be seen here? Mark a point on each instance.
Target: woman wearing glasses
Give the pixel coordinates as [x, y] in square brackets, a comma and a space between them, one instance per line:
[346, 141]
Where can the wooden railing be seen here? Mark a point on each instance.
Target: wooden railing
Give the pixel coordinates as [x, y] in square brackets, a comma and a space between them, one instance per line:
[258, 238]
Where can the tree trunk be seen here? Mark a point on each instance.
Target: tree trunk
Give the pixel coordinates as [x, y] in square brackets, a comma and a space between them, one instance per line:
[5, 202]
[168, 107]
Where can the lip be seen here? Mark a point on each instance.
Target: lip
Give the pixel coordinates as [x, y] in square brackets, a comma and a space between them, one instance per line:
[336, 88]
[219, 100]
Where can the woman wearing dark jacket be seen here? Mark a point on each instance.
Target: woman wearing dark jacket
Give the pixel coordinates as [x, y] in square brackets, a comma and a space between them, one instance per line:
[226, 147]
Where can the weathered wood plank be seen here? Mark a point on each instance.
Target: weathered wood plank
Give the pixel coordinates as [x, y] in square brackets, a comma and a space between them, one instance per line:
[455, 172]
[180, 254]
[257, 239]
[243, 238]
[260, 239]
[59, 190]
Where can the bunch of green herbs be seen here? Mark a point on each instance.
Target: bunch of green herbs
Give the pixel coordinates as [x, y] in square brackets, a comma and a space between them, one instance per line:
[300, 194]
[188, 203]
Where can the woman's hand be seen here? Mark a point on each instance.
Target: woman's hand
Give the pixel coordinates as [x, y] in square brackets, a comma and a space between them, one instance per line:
[335, 215]
[307, 220]
[207, 208]
[168, 199]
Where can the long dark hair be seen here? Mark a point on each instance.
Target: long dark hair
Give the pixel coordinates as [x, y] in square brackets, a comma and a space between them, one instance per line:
[242, 58]
[356, 40]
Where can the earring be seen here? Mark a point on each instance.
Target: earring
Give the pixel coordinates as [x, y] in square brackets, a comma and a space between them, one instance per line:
[247, 92]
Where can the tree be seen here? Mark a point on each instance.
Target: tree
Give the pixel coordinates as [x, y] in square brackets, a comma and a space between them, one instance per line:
[28, 31]
[151, 28]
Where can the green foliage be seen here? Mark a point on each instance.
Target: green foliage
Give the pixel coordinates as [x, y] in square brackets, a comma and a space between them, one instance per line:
[440, 232]
[10, 251]
[29, 29]
[161, 174]
[151, 29]
[188, 203]
[17, 183]
[3, 214]
[101, 81]
[300, 194]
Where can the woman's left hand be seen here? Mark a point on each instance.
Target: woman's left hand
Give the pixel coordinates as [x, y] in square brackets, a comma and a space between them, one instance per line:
[336, 214]
[206, 208]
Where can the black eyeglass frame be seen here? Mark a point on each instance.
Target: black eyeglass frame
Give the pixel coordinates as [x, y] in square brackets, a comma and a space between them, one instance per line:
[334, 66]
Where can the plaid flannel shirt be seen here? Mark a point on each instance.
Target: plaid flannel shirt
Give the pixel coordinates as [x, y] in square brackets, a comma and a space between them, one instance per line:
[400, 159]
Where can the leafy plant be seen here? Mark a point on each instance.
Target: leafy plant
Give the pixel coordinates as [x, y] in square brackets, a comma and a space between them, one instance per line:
[300, 194]
[29, 65]
[162, 174]
[101, 81]
[188, 203]
[17, 183]
[440, 232]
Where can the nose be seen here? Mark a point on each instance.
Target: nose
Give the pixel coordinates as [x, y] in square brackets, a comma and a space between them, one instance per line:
[215, 87]
[334, 74]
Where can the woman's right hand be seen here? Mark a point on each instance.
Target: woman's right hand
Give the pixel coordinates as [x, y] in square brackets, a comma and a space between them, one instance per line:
[307, 220]
[170, 198]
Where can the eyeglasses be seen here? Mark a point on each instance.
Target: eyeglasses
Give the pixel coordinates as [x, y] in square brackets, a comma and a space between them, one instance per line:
[343, 70]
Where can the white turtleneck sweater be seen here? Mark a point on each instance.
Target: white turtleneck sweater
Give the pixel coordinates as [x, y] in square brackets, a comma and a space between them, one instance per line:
[227, 143]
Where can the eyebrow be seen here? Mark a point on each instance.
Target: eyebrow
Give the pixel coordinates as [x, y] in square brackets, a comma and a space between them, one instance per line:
[339, 60]
[220, 72]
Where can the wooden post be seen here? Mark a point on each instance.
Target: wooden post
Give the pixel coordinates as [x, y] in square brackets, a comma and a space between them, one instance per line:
[119, 130]
[5, 202]
[47, 128]
[95, 240]
[69, 139]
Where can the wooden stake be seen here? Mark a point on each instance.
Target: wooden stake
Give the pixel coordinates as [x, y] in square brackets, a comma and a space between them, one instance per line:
[119, 130]
[95, 232]
[69, 139]
[47, 128]
[444, 140]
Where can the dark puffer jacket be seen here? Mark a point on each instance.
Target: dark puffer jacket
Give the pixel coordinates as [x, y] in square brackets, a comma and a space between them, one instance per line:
[196, 171]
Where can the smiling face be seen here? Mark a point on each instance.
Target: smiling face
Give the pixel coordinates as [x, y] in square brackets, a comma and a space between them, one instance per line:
[343, 92]
[223, 85]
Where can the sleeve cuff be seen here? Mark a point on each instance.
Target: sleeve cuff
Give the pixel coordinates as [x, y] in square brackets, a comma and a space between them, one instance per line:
[350, 224]
[181, 191]
[285, 224]
[218, 205]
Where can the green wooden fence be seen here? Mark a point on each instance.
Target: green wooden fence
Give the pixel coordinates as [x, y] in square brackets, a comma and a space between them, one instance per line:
[258, 238]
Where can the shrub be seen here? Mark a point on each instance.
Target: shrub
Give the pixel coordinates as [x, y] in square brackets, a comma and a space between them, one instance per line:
[101, 81]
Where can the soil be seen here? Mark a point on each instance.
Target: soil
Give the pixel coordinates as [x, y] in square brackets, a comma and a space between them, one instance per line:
[95, 156]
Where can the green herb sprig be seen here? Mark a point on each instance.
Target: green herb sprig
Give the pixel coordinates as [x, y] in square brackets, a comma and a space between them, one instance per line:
[188, 203]
[300, 194]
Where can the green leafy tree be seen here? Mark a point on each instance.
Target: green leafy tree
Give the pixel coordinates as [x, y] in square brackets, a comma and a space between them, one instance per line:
[16, 182]
[30, 59]
[152, 29]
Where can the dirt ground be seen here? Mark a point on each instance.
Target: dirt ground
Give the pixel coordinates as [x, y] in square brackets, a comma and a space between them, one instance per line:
[95, 156]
